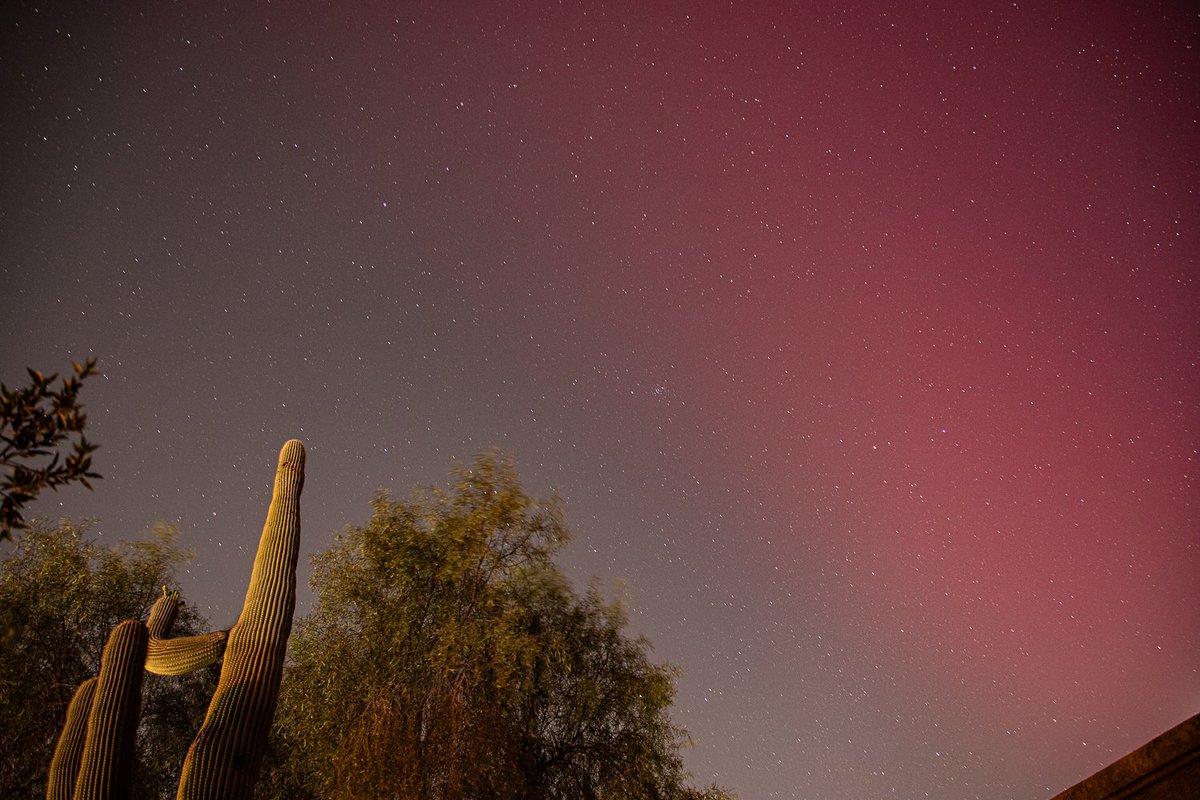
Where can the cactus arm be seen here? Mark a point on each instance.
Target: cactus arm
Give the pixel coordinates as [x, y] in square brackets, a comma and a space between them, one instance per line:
[224, 758]
[182, 655]
[185, 654]
[64, 766]
[162, 615]
[106, 766]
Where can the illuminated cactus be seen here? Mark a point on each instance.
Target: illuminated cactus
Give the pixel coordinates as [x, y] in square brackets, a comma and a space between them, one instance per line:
[64, 766]
[107, 739]
[180, 656]
[106, 769]
[225, 757]
[162, 615]
[95, 753]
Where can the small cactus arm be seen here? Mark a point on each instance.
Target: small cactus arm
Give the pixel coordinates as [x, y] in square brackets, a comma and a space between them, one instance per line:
[224, 759]
[64, 766]
[106, 766]
[162, 614]
[183, 655]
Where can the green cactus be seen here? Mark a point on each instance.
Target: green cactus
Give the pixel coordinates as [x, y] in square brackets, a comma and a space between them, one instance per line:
[72, 743]
[225, 757]
[162, 614]
[106, 768]
[185, 654]
[64, 766]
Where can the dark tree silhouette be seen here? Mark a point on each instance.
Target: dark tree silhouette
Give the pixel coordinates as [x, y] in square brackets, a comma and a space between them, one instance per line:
[34, 421]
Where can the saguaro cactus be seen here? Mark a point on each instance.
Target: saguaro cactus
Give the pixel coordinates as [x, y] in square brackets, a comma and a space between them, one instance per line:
[224, 759]
[185, 654]
[64, 767]
[102, 731]
[106, 770]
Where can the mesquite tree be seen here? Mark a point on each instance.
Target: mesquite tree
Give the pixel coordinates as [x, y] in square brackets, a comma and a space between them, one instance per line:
[448, 658]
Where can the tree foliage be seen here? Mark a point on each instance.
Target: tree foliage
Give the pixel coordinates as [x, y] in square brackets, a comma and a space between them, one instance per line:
[447, 657]
[60, 595]
[34, 421]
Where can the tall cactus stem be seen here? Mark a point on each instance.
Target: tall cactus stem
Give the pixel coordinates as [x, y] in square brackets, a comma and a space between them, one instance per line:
[64, 766]
[106, 767]
[224, 759]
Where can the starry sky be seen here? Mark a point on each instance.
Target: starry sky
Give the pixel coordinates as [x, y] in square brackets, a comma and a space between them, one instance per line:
[860, 342]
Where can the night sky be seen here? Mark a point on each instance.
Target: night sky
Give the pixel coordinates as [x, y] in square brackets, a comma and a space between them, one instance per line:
[861, 343]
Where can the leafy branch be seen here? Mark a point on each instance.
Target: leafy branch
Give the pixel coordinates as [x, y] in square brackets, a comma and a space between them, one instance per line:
[34, 421]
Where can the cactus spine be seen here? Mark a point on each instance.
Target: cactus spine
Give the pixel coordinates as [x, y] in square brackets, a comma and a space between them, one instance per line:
[224, 759]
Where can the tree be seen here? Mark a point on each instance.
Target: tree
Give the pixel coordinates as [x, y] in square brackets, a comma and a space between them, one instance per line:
[447, 657]
[34, 421]
[60, 596]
